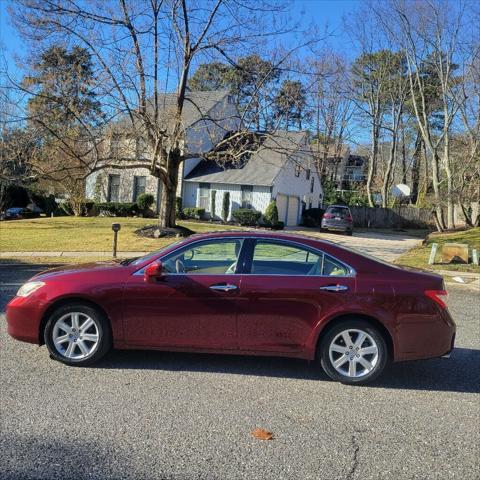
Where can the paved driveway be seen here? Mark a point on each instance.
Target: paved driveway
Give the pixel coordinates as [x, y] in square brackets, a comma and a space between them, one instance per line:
[153, 415]
[382, 245]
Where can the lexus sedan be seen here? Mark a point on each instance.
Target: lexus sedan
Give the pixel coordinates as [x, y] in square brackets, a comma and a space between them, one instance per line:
[241, 293]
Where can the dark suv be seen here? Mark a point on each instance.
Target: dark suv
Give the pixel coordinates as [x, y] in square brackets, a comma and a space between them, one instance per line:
[338, 218]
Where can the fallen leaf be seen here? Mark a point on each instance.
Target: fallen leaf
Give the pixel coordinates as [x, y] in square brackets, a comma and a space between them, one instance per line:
[262, 434]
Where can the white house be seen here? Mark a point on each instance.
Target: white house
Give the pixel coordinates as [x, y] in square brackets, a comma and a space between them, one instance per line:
[207, 117]
[282, 169]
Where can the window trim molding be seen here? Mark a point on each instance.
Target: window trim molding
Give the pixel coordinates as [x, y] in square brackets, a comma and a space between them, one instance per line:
[248, 243]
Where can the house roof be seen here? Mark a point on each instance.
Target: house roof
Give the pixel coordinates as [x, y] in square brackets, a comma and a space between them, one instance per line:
[261, 169]
[196, 106]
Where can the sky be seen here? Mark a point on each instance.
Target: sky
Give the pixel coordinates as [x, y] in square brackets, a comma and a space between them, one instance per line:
[309, 11]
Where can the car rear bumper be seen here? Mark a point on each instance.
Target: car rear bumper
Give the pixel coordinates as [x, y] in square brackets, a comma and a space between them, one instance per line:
[337, 225]
[23, 320]
[426, 338]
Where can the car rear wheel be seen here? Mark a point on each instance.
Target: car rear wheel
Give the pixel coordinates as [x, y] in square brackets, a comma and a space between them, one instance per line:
[77, 334]
[353, 352]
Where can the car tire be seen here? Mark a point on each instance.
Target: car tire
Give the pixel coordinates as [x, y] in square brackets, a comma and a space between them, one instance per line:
[349, 232]
[340, 352]
[78, 334]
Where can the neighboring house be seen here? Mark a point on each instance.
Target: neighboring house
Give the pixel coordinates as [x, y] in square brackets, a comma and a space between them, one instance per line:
[282, 169]
[207, 117]
[347, 171]
[353, 172]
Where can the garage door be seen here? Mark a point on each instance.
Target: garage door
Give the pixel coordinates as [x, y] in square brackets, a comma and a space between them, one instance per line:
[287, 209]
[282, 207]
[292, 216]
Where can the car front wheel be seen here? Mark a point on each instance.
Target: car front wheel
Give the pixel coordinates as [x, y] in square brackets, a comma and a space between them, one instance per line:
[353, 352]
[77, 334]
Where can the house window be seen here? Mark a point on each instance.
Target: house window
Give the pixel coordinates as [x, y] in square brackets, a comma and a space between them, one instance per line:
[139, 184]
[312, 184]
[308, 174]
[115, 146]
[247, 196]
[203, 195]
[297, 170]
[113, 188]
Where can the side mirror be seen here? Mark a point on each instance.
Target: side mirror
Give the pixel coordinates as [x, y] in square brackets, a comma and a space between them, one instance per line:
[153, 272]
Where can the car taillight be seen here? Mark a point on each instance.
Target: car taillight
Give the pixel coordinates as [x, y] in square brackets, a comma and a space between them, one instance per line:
[438, 296]
[349, 218]
[327, 215]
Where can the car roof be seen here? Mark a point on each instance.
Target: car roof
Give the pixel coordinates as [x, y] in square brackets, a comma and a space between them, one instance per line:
[338, 206]
[287, 236]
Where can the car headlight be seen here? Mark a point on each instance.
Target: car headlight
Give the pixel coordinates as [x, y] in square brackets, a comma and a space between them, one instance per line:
[27, 288]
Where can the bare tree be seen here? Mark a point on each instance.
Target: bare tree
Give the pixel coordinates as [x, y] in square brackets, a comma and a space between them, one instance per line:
[144, 49]
[429, 33]
[331, 108]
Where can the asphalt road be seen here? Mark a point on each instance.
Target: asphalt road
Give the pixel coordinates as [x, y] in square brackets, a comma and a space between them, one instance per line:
[153, 415]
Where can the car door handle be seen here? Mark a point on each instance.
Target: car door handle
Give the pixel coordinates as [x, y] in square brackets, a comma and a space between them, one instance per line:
[334, 288]
[224, 288]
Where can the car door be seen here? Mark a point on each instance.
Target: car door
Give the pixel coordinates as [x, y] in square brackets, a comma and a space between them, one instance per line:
[288, 290]
[194, 304]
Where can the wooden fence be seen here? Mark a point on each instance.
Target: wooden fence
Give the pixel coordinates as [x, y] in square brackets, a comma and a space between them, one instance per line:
[398, 217]
[404, 217]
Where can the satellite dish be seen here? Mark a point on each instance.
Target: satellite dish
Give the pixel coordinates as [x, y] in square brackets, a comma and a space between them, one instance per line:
[401, 190]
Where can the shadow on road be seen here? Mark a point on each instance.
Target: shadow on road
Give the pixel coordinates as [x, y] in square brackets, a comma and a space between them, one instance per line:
[460, 373]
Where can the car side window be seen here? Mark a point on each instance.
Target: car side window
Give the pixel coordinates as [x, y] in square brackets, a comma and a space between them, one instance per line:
[215, 257]
[333, 268]
[275, 258]
[271, 258]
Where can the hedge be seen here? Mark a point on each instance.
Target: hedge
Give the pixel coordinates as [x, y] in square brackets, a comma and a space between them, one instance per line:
[312, 217]
[117, 209]
[246, 216]
[194, 212]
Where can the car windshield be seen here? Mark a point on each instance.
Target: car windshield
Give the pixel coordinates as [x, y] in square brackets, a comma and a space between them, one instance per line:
[149, 256]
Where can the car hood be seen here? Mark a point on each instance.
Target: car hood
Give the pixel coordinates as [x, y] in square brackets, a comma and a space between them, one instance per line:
[79, 268]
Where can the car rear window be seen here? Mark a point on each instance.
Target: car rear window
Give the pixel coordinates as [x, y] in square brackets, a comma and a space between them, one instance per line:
[338, 211]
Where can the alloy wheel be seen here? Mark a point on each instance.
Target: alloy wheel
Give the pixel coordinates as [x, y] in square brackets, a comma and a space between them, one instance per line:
[75, 335]
[353, 353]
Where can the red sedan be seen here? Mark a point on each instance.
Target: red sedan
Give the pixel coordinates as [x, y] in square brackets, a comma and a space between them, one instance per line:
[242, 293]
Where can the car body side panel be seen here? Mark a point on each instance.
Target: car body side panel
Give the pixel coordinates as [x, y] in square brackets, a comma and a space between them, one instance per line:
[279, 312]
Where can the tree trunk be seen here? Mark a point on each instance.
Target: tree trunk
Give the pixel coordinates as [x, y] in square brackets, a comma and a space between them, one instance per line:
[167, 217]
[436, 190]
[386, 179]
[417, 155]
[448, 173]
[371, 166]
[404, 158]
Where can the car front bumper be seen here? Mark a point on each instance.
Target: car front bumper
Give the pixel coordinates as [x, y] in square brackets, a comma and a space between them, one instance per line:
[23, 319]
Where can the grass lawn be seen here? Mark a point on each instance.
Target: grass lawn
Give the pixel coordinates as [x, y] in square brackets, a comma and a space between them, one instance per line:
[418, 256]
[80, 234]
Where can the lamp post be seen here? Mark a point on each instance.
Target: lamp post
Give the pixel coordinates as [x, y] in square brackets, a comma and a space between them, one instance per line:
[116, 228]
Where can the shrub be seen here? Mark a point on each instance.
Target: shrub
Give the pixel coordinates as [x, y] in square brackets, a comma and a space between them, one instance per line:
[278, 226]
[145, 201]
[14, 196]
[114, 209]
[312, 217]
[178, 208]
[213, 199]
[271, 214]
[194, 212]
[246, 216]
[225, 206]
